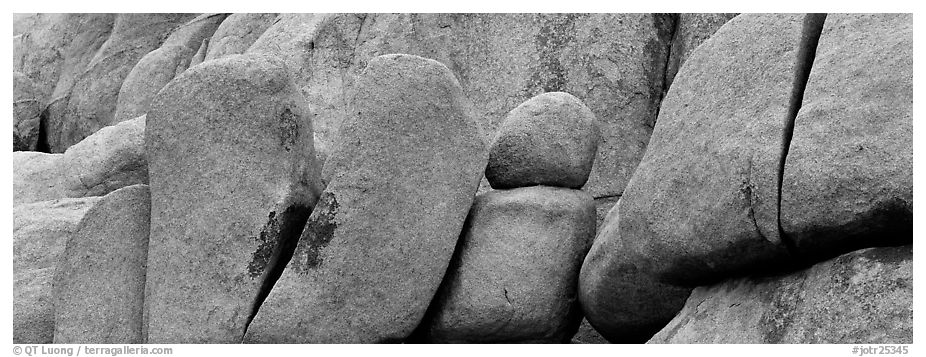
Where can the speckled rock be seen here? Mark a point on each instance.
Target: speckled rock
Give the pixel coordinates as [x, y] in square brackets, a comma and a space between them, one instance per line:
[200, 55]
[618, 293]
[514, 274]
[99, 285]
[237, 33]
[864, 296]
[37, 176]
[233, 177]
[587, 335]
[614, 63]
[151, 73]
[111, 158]
[195, 31]
[551, 140]
[690, 31]
[702, 204]
[402, 179]
[27, 108]
[848, 179]
[58, 47]
[40, 231]
[91, 102]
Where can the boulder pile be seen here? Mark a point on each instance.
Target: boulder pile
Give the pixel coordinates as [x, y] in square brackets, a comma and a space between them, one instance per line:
[462, 178]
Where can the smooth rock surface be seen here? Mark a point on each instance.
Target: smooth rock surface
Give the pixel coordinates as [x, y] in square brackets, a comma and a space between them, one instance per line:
[151, 73]
[614, 63]
[233, 178]
[848, 179]
[703, 202]
[40, 231]
[514, 275]
[238, 32]
[550, 139]
[37, 176]
[865, 296]
[99, 285]
[402, 179]
[618, 292]
[195, 31]
[111, 158]
[27, 109]
[200, 55]
[92, 101]
[691, 30]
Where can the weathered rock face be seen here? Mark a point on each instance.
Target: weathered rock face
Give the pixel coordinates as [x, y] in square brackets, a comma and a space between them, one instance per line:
[614, 63]
[587, 335]
[864, 296]
[618, 292]
[200, 55]
[91, 102]
[233, 177]
[151, 73]
[111, 158]
[514, 274]
[402, 179]
[704, 198]
[27, 109]
[549, 140]
[58, 48]
[848, 178]
[194, 32]
[37, 177]
[690, 31]
[40, 231]
[99, 285]
[237, 33]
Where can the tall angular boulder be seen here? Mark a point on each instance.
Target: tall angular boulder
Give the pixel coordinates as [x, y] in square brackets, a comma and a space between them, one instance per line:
[91, 102]
[40, 232]
[703, 203]
[848, 176]
[401, 180]
[238, 32]
[514, 274]
[865, 296]
[233, 178]
[691, 30]
[99, 285]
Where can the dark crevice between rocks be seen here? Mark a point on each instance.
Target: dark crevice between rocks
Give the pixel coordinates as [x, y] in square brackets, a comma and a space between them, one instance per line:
[806, 52]
[42, 144]
[278, 240]
[666, 28]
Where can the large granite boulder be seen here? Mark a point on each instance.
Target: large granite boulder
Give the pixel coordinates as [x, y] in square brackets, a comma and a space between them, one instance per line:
[551, 140]
[514, 275]
[614, 63]
[237, 33]
[195, 31]
[27, 110]
[91, 102]
[618, 292]
[40, 231]
[703, 203]
[848, 177]
[401, 180]
[99, 285]
[864, 296]
[148, 76]
[233, 178]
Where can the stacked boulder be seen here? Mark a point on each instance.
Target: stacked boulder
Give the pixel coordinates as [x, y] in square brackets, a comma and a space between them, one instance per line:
[514, 274]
